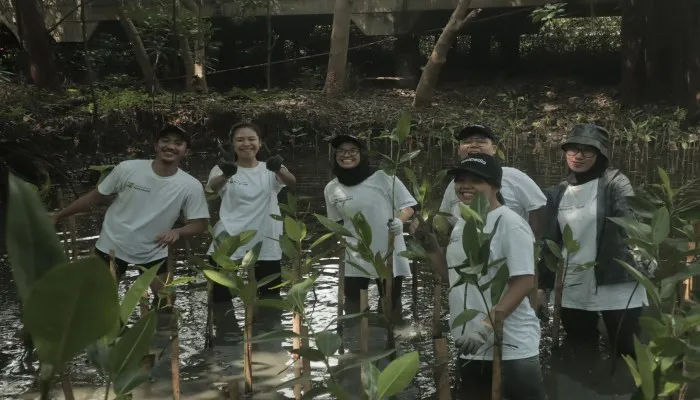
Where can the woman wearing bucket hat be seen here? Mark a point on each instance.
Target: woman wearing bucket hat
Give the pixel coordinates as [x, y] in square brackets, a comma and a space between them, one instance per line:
[591, 193]
[513, 241]
[359, 188]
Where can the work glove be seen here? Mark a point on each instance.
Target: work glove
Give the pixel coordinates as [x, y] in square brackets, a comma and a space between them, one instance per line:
[229, 168]
[395, 226]
[274, 163]
[474, 339]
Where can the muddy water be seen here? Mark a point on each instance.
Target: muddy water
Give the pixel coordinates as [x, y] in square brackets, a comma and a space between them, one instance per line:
[570, 373]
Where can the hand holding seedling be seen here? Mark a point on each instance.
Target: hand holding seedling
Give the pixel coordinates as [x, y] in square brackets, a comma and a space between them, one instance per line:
[395, 226]
[168, 238]
[274, 163]
[472, 340]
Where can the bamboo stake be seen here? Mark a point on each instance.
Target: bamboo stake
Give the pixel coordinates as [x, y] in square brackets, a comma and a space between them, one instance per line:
[441, 375]
[209, 336]
[341, 300]
[66, 385]
[113, 265]
[248, 354]
[296, 342]
[175, 343]
[364, 333]
[558, 291]
[233, 390]
[390, 343]
[497, 356]
[414, 291]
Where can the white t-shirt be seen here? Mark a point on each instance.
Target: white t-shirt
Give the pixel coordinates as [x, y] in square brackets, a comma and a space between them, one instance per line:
[515, 242]
[146, 205]
[578, 209]
[248, 199]
[373, 199]
[520, 192]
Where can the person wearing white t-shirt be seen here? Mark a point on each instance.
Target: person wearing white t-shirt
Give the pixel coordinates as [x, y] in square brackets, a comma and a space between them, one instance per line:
[248, 190]
[513, 241]
[150, 197]
[591, 194]
[520, 193]
[359, 188]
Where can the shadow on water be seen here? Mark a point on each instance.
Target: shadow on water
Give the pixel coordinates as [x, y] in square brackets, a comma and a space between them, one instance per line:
[571, 372]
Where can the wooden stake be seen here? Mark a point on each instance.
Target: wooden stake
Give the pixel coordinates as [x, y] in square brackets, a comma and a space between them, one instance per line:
[306, 363]
[209, 336]
[296, 328]
[558, 291]
[341, 300]
[233, 391]
[442, 377]
[66, 385]
[113, 265]
[364, 333]
[61, 205]
[388, 311]
[497, 355]
[248, 354]
[175, 344]
[414, 291]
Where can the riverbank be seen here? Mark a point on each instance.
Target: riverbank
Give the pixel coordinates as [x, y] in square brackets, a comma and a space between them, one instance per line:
[538, 111]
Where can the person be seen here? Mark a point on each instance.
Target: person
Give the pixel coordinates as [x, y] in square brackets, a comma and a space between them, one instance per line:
[591, 193]
[248, 189]
[359, 188]
[150, 197]
[513, 241]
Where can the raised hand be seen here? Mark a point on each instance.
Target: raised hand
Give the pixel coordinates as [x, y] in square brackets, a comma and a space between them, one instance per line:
[274, 163]
[229, 168]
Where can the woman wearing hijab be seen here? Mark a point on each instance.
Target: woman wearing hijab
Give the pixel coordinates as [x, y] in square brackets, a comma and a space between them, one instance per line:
[248, 190]
[359, 188]
[591, 194]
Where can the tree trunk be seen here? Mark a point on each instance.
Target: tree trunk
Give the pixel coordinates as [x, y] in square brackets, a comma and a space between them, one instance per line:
[37, 43]
[188, 60]
[199, 75]
[693, 67]
[149, 76]
[340, 37]
[431, 72]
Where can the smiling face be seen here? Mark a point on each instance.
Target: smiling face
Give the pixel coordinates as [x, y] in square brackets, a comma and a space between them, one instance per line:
[580, 158]
[246, 143]
[476, 144]
[171, 148]
[347, 155]
[467, 185]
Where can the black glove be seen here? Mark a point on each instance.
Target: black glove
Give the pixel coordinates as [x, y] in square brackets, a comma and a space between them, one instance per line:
[274, 163]
[227, 167]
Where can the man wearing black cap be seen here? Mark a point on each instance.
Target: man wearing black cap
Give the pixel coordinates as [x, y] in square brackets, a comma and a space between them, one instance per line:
[138, 225]
[520, 192]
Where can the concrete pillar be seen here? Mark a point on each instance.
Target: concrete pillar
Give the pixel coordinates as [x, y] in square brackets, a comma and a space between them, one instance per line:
[408, 59]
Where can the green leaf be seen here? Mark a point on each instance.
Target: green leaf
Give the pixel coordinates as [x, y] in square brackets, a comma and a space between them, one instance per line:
[469, 214]
[634, 228]
[133, 345]
[98, 354]
[641, 206]
[321, 239]
[33, 247]
[136, 291]
[294, 229]
[130, 379]
[182, 280]
[554, 249]
[274, 303]
[274, 335]
[498, 284]
[333, 226]
[364, 231]
[409, 156]
[328, 342]
[251, 256]
[309, 353]
[670, 346]
[470, 241]
[69, 308]
[370, 379]
[356, 360]
[220, 278]
[652, 291]
[267, 279]
[572, 245]
[645, 366]
[297, 294]
[660, 225]
[464, 317]
[398, 375]
[633, 370]
[289, 247]
[315, 392]
[666, 183]
[403, 127]
[249, 293]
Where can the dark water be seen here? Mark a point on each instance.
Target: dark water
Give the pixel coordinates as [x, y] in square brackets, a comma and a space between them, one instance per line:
[569, 373]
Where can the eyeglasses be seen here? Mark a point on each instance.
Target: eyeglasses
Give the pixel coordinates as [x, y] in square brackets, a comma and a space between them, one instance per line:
[586, 152]
[476, 140]
[353, 151]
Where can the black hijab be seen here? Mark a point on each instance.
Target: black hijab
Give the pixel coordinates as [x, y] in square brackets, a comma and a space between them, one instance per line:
[356, 175]
[596, 171]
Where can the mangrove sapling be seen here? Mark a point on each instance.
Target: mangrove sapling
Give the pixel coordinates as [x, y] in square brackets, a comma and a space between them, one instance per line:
[670, 361]
[67, 306]
[555, 260]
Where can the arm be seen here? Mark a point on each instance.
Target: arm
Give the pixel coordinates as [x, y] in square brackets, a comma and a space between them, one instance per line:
[519, 252]
[537, 220]
[286, 177]
[518, 288]
[81, 204]
[406, 214]
[193, 227]
[216, 183]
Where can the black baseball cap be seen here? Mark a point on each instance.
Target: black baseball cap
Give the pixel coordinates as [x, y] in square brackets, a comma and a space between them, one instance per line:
[481, 165]
[170, 129]
[340, 139]
[476, 129]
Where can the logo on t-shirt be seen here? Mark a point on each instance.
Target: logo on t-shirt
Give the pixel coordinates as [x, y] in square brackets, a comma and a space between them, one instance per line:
[339, 203]
[132, 185]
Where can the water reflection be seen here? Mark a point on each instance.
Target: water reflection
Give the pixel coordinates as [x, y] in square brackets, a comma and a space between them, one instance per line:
[570, 373]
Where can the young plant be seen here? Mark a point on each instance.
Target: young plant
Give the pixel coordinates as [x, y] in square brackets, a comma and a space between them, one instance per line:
[665, 366]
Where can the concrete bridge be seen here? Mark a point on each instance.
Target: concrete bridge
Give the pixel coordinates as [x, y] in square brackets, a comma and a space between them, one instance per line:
[298, 17]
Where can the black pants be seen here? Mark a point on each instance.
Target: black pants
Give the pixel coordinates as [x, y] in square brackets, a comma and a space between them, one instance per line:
[353, 285]
[123, 265]
[521, 379]
[621, 325]
[262, 269]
